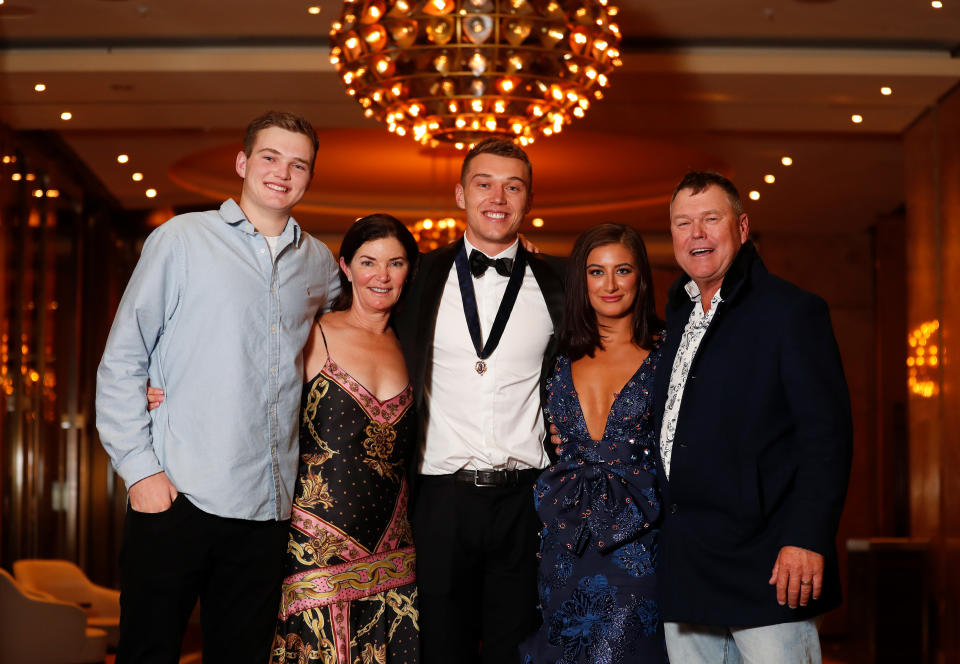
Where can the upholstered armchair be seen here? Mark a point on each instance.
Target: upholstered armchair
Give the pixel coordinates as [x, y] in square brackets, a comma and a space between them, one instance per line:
[67, 582]
[39, 629]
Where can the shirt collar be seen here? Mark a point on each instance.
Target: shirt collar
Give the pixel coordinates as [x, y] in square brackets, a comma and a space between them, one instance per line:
[232, 214]
[694, 292]
[509, 252]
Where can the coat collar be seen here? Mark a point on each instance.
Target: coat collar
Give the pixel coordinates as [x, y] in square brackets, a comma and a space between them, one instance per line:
[746, 265]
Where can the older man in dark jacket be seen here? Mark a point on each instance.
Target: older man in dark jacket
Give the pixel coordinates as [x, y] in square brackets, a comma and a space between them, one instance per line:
[755, 445]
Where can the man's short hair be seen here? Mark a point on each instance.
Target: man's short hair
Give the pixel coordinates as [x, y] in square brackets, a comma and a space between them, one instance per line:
[500, 147]
[289, 121]
[697, 181]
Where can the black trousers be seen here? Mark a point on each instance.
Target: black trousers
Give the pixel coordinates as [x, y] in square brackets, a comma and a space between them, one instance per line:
[170, 559]
[476, 570]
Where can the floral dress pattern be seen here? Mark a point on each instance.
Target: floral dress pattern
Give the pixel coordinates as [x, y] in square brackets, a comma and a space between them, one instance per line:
[600, 507]
[349, 589]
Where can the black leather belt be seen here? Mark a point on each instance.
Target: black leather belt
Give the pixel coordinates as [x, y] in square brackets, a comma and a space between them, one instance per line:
[497, 477]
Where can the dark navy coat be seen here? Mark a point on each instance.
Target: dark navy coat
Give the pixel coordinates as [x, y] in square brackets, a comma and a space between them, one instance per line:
[761, 457]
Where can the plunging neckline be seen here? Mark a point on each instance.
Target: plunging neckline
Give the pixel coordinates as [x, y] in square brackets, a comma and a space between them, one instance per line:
[338, 367]
[329, 362]
[616, 395]
[323, 372]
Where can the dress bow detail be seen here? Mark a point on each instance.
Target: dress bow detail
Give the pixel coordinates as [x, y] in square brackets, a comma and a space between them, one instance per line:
[600, 502]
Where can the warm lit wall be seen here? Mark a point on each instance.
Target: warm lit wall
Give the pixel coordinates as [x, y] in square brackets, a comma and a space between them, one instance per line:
[933, 256]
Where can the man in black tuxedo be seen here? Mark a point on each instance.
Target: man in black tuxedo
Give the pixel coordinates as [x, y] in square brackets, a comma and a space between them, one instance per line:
[477, 327]
[755, 445]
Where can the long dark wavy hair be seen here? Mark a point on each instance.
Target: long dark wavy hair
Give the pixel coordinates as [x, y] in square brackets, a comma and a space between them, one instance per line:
[373, 227]
[580, 332]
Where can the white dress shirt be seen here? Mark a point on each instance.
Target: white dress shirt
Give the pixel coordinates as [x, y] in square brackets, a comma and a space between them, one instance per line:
[492, 420]
[693, 333]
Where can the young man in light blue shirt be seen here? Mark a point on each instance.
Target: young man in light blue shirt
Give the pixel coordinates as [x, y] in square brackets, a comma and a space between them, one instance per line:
[215, 313]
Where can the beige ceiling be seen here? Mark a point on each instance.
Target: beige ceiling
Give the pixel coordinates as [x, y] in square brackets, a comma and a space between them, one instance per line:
[730, 84]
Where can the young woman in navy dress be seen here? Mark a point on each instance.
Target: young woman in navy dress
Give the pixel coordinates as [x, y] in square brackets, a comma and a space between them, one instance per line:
[600, 503]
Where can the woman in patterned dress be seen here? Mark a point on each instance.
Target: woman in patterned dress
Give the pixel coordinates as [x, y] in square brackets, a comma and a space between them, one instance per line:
[600, 503]
[349, 591]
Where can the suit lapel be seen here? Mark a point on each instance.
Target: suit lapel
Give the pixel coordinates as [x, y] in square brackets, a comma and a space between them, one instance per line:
[434, 278]
[550, 286]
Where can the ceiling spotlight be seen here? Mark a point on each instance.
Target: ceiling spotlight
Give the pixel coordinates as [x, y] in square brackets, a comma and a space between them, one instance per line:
[786, 161]
[314, 10]
[123, 158]
[16, 177]
[53, 193]
[151, 193]
[40, 87]
[856, 118]
[769, 178]
[38, 193]
[537, 222]
[66, 115]
[754, 195]
[136, 177]
[886, 91]
[936, 4]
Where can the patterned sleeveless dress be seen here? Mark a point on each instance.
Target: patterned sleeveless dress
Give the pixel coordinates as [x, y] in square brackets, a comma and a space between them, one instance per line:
[349, 589]
[600, 507]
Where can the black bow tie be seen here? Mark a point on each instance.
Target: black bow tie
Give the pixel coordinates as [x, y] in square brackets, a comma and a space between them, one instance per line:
[479, 262]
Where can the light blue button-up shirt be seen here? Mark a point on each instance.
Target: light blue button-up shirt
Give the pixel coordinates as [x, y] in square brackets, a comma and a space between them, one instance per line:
[219, 323]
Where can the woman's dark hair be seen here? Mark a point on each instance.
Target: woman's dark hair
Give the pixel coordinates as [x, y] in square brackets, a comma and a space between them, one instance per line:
[580, 333]
[372, 227]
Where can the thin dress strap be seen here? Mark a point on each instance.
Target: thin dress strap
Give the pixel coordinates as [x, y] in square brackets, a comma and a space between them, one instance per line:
[324, 337]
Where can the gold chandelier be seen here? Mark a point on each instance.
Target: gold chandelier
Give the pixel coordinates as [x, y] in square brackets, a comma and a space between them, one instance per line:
[456, 71]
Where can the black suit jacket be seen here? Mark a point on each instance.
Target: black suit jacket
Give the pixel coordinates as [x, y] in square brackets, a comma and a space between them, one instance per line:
[416, 318]
[761, 456]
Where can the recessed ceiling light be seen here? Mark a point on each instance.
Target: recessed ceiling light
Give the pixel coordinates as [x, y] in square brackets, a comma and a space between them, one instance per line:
[856, 118]
[151, 193]
[936, 4]
[769, 178]
[123, 158]
[537, 222]
[136, 177]
[786, 161]
[16, 177]
[754, 195]
[886, 91]
[38, 193]
[53, 193]
[313, 10]
[66, 115]
[40, 87]
[31, 177]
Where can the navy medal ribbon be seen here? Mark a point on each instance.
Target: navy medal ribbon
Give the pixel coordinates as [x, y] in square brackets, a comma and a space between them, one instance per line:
[469, 297]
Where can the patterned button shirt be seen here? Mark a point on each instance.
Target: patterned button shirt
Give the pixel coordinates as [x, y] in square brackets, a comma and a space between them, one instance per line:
[693, 333]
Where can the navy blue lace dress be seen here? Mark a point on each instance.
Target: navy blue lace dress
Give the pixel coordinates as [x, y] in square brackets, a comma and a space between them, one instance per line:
[600, 508]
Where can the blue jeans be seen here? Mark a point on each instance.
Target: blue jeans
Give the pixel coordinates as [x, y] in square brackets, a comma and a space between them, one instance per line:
[784, 643]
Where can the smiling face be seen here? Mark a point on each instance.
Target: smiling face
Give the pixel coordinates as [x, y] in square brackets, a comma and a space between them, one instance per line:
[276, 173]
[495, 193]
[707, 234]
[611, 281]
[376, 273]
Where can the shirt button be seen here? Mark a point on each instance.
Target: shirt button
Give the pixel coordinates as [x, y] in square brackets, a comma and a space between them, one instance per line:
[273, 328]
[272, 410]
[263, 251]
[681, 444]
[674, 508]
[273, 370]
